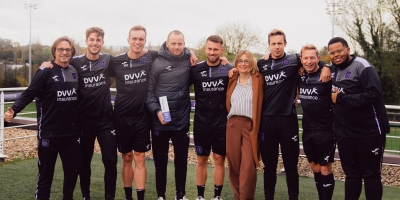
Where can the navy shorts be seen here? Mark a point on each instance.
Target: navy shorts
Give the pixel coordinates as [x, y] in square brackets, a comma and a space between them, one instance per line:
[133, 133]
[209, 138]
[319, 146]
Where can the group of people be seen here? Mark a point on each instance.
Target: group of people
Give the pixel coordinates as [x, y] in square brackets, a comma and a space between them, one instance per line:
[242, 111]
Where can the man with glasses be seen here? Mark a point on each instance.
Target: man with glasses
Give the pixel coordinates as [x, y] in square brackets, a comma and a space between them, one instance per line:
[56, 92]
[361, 121]
[95, 112]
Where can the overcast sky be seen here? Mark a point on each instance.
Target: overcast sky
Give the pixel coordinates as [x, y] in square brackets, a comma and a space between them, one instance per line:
[303, 21]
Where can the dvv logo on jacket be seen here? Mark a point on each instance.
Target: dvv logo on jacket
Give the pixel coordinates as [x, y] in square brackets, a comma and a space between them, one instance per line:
[306, 93]
[94, 81]
[274, 79]
[67, 95]
[213, 85]
[133, 78]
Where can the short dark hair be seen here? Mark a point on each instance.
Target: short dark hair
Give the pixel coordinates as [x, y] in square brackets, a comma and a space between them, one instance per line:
[336, 40]
[65, 38]
[175, 32]
[276, 32]
[96, 30]
[216, 39]
[137, 28]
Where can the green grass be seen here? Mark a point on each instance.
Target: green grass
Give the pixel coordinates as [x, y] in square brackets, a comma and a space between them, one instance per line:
[18, 181]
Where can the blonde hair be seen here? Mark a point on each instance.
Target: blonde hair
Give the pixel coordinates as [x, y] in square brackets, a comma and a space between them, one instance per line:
[308, 47]
[252, 61]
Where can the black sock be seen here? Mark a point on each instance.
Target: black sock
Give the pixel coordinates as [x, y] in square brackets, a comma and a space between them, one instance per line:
[179, 195]
[200, 190]
[217, 190]
[128, 193]
[328, 183]
[140, 194]
[318, 184]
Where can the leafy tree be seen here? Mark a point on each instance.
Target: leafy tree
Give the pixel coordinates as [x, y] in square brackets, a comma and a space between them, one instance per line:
[238, 36]
[374, 26]
[10, 80]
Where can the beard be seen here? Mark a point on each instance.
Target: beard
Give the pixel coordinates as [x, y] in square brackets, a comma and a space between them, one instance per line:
[215, 60]
[344, 64]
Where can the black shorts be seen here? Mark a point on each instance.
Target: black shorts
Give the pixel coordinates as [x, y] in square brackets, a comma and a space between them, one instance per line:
[206, 138]
[133, 133]
[319, 146]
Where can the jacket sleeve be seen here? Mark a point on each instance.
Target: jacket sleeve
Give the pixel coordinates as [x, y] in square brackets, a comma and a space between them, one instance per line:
[34, 89]
[152, 102]
[371, 91]
[153, 54]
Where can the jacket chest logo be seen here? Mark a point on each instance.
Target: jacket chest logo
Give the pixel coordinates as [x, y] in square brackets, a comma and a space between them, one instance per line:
[55, 78]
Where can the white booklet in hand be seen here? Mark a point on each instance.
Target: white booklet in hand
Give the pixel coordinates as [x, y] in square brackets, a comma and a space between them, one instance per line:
[165, 109]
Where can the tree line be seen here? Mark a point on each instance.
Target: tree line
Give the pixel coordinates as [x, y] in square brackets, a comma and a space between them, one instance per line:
[373, 27]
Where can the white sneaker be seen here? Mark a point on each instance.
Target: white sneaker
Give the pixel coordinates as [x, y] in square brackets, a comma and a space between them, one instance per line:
[200, 198]
[160, 198]
[184, 198]
[216, 198]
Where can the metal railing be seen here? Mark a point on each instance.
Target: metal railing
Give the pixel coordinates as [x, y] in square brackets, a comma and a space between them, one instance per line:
[393, 124]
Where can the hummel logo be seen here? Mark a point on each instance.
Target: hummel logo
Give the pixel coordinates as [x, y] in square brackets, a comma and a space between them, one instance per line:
[326, 185]
[265, 67]
[283, 74]
[55, 78]
[113, 132]
[168, 68]
[79, 140]
[326, 158]
[314, 90]
[203, 73]
[148, 146]
[294, 138]
[375, 151]
[84, 68]
[125, 64]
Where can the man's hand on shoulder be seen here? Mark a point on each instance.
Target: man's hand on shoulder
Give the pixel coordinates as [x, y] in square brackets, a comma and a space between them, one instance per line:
[144, 51]
[46, 65]
[231, 72]
[224, 60]
[193, 58]
[266, 56]
[301, 71]
[325, 74]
